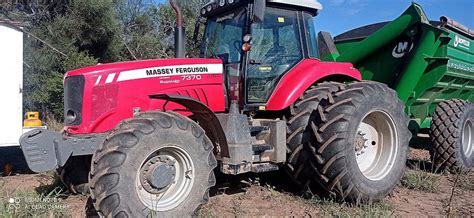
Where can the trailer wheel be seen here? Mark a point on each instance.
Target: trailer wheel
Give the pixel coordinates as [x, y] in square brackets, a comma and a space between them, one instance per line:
[452, 136]
[362, 144]
[156, 164]
[300, 132]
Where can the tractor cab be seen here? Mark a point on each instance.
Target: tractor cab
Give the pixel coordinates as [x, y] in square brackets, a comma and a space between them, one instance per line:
[259, 42]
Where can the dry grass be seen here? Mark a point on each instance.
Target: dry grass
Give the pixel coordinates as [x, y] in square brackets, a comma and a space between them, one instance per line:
[53, 123]
[323, 207]
[333, 208]
[45, 201]
[466, 183]
[207, 213]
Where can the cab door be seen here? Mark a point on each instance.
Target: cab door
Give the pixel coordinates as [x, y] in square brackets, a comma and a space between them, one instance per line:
[276, 48]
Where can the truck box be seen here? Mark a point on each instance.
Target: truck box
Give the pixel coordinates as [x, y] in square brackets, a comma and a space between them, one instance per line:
[11, 84]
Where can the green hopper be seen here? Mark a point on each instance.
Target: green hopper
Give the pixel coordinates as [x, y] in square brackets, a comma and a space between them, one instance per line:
[426, 62]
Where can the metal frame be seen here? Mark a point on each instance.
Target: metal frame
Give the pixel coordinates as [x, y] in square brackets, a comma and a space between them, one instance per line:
[46, 150]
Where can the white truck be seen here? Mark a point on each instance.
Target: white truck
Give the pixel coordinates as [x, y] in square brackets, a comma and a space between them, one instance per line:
[11, 97]
[11, 84]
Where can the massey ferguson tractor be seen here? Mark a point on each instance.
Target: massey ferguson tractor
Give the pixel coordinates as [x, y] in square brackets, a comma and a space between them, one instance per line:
[145, 137]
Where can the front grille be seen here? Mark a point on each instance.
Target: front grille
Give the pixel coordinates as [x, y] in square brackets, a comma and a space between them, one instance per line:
[104, 99]
[73, 97]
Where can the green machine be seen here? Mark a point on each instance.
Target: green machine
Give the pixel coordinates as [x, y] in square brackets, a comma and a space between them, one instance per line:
[431, 66]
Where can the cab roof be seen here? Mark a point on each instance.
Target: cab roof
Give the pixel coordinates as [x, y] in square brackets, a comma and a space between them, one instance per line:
[310, 4]
[217, 6]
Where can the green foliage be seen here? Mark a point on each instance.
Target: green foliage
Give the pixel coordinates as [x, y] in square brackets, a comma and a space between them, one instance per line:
[79, 33]
[421, 180]
[332, 208]
[77, 60]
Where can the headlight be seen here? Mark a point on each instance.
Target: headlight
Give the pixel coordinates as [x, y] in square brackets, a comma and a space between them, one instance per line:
[71, 116]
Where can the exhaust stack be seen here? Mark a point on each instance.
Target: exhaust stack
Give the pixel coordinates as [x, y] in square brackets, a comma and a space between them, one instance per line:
[179, 33]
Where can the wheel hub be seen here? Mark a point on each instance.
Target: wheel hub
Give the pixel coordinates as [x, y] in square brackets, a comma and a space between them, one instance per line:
[376, 145]
[165, 178]
[361, 142]
[158, 174]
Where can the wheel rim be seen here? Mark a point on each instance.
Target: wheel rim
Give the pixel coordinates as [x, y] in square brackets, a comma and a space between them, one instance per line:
[160, 194]
[468, 138]
[376, 145]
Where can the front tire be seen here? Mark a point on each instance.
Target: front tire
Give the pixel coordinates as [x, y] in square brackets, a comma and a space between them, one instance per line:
[452, 136]
[75, 175]
[158, 164]
[362, 142]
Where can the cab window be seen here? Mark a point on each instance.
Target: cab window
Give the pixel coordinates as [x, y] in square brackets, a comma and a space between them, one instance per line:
[311, 36]
[224, 36]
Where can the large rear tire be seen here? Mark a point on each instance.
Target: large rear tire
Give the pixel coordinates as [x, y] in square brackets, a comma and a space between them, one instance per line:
[300, 132]
[360, 142]
[452, 136]
[156, 164]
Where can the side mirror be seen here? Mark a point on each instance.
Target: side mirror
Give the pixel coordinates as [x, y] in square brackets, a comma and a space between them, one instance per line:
[197, 28]
[259, 10]
[198, 43]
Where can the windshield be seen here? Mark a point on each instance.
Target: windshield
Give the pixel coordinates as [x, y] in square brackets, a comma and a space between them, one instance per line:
[224, 36]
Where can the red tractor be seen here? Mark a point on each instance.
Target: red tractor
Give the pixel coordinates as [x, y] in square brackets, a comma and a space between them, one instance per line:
[145, 137]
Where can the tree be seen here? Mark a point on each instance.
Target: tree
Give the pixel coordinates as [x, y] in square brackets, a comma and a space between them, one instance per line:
[81, 33]
[148, 28]
[142, 36]
[85, 33]
[191, 13]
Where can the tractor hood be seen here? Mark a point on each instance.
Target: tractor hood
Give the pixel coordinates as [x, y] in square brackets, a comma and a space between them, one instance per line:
[142, 65]
[96, 98]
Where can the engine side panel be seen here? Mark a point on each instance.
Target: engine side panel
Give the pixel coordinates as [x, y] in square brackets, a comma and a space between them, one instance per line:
[114, 92]
[299, 79]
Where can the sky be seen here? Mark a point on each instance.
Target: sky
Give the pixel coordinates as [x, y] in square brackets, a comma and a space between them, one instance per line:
[339, 16]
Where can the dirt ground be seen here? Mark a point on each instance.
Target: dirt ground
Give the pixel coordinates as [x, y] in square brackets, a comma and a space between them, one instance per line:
[252, 195]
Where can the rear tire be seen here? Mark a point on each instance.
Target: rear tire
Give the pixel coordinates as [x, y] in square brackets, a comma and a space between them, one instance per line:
[300, 132]
[452, 136]
[127, 171]
[361, 142]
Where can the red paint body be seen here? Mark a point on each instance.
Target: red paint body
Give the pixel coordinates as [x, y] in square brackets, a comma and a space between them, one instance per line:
[106, 104]
[109, 99]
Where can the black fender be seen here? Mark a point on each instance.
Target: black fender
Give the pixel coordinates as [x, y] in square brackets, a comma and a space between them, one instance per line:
[205, 118]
